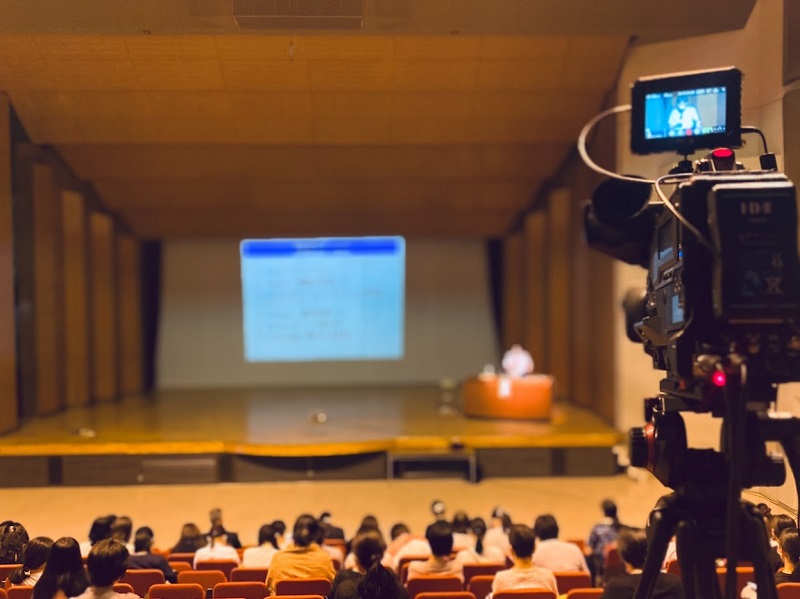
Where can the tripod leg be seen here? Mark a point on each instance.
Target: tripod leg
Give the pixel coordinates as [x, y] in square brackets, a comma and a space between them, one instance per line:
[698, 567]
[753, 528]
[662, 524]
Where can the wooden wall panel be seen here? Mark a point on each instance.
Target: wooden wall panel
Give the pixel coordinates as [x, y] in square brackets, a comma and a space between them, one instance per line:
[8, 350]
[559, 288]
[534, 332]
[513, 287]
[103, 307]
[129, 311]
[76, 299]
[48, 295]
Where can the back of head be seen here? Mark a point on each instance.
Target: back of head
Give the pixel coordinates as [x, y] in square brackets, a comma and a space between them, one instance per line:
[460, 522]
[478, 528]
[306, 530]
[397, 530]
[101, 528]
[632, 546]
[609, 509]
[12, 543]
[368, 522]
[64, 570]
[368, 548]
[143, 540]
[522, 540]
[279, 526]
[380, 583]
[440, 538]
[266, 534]
[215, 516]
[107, 562]
[781, 522]
[34, 557]
[191, 536]
[218, 535]
[789, 542]
[545, 527]
[121, 529]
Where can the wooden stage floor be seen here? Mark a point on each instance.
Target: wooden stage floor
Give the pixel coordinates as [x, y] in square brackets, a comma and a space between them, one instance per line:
[295, 423]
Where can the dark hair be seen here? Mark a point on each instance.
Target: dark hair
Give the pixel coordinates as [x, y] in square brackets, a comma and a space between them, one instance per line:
[101, 528]
[34, 557]
[781, 522]
[143, 539]
[460, 522]
[790, 545]
[280, 527]
[380, 583]
[610, 511]
[107, 562]
[121, 529]
[632, 546]
[266, 534]
[440, 538]
[63, 571]
[397, 530]
[545, 527]
[217, 532]
[368, 548]
[478, 528]
[306, 530]
[191, 538]
[522, 540]
[13, 538]
[368, 522]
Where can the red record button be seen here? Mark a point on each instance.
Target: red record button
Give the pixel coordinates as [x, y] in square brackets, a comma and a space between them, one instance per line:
[722, 153]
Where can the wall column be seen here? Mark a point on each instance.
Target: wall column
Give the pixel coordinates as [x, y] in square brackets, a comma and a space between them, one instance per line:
[8, 348]
[534, 331]
[103, 302]
[129, 310]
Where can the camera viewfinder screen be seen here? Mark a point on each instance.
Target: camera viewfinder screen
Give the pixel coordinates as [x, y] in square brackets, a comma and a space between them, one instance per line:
[685, 113]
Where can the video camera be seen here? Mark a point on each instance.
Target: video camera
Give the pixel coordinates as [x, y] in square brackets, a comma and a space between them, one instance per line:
[720, 312]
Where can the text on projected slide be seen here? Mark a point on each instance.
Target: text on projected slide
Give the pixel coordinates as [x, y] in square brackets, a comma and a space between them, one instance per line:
[323, 299]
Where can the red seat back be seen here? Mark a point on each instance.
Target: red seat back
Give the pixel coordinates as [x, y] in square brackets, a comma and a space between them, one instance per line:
[303, 586]
[225, 566]
[142, 580]
[249, 574]
[433, 584]
[177, 591]
[243, 590]
[572, 580]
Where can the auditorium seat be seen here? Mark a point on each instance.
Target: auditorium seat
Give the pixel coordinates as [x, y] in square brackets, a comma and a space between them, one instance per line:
[242, 590]
[789, 590]
[20, 592]
[177, 591]
[6, 570]
[303, 586]
[481, 585]
[142, 580]
[225, 566]
[181, 557]
[612, 562]
[593, 593]
[674, 567]
[249, 574]
[524, 594]
[471, 570]
[433, 584]
[744, 574]
[206, 578]
[572, 580]
[123, 587]
[402, 566]
[447, 595]
[180, 566]
[3, 594]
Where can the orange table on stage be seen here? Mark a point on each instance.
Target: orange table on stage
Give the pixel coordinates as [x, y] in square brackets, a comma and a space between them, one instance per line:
[493, 396]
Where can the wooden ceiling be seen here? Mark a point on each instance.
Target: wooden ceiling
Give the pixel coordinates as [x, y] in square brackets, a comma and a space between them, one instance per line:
[302, 133]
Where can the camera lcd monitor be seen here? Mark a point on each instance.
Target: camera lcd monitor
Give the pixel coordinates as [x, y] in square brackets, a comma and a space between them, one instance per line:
[685, 113]
[334, 298]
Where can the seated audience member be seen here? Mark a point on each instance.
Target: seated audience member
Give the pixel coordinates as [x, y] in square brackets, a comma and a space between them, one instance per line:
[261, 556]
[440, 539]
[232, 538]
[602, 534]
[523, 574]
[497, 535]
[217, 549]
[279, 526]
[404, 544]
[462, 539]
[481, 554]
[439, 511]
[33, 560]
[789, 550]
[369, 523]
[632, 546]
[329, 530]
[121, 531]
[63, 574]
[143, 559]
[191, 539]
[107, 563]
[369, 579]
[304, 558]
[778, 524]
[100, 529]
[555, 555]
[13, 538]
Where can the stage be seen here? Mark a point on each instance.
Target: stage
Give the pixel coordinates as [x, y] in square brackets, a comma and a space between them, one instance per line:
[206, 436]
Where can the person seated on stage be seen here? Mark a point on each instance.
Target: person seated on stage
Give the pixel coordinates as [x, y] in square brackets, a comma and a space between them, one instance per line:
[13, 538]
[632, 545]
[524, 574]
[368, 578]
[462, 539]
[517, 362]
[602, 534]
[404, 544]
[121, 530]
[107, 563]
[304, 558]
[555, 555]
[261, 556]
[480, 553]
[217, 549]
[191, 539]
[64, 574]
[143, 559]
[33, 560]
[497, 535]
[100, 529]
[215, 516]
[440, 539]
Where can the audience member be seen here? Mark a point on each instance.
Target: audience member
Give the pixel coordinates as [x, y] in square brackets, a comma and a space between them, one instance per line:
[232, 538]
[261, 556]
[778, 524]
[555, 555]
[13, 538]
[524, 574]
[789, 550]
[191, 539]
[304, 558]
[101, 529]
[143, 559]
[602, 534]
[404, 544]
[439, 511]
[217, 549]
[107, 563]
[440, 539]
[64, 574]
[121, 530]
[34, 558]
[480, 553]
[329, 530]
[368, 551]
[632, 546]
[279, 526]
[497, 535]
[462, 539]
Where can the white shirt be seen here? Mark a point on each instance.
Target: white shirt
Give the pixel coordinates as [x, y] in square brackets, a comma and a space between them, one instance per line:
[258, 557]
[559, 556]
[216, 552]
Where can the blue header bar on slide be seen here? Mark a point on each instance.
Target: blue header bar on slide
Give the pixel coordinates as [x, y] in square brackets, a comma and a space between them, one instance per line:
[270, 248]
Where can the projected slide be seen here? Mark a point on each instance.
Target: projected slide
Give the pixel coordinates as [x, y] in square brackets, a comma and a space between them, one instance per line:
[323, 299]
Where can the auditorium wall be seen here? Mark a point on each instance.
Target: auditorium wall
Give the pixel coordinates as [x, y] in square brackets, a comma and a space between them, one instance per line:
[449, 329]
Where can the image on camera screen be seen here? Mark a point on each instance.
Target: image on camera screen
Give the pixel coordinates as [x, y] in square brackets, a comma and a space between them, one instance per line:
[685, 113]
